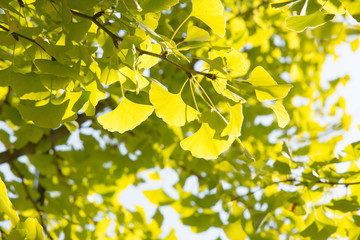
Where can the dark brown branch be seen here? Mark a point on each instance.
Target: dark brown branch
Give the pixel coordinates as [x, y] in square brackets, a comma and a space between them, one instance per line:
[55, 136]
[16, 36]
[116, 39]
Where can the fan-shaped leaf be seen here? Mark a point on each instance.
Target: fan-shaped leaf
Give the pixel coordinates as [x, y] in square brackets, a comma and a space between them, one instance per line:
[211, 13]
[236, 119]
[170, 107]
[126, 116]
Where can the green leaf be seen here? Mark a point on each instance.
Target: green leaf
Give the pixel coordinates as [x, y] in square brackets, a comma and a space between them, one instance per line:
[281, 114]
[6, 206]
[344, 205]
[46, 116]
[126, 116]
[211, 13]
[300, 23]
[236, 120]
[28, 86]
[170, 107]
[56, 68]
[158, 6]
[281, 167]
[196, 34]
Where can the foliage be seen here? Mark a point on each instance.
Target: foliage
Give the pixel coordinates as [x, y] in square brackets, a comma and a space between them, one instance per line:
[224, 91]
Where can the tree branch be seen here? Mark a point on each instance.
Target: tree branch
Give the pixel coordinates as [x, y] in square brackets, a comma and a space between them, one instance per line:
[116, 39]
[16, 36]
[27, 192]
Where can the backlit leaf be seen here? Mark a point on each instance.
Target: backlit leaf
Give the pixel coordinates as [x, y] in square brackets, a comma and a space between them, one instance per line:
[236, 119]
[211, 13]
[203, 144]
[281, 114]
[300, 23]
[6, 206]
[170, 107]
[126, 116]
[196, 34]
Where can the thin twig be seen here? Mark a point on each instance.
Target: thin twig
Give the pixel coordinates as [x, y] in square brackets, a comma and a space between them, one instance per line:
[116, 39]
[27, 192]
[18, 35]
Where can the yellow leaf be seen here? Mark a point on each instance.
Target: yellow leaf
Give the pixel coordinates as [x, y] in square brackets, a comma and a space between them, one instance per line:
[170, 107]
[300, 23]
[211, 13]
[6, 206]
[34, 231]
[234, 231]
[134, 76]
[126, 116]
[202, 144]
[235, 62]
[236, 119]
[266, 88]
[158, 197]
[281, 114]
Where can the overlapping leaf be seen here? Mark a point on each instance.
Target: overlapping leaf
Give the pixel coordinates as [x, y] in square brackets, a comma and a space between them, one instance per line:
[170, 107]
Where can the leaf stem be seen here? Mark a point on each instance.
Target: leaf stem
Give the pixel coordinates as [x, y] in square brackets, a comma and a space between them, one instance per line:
[187, 18]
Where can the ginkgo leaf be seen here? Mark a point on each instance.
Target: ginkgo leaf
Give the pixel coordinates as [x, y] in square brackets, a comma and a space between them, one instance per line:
[266, 88]
[196, 34]
[260, 77]
[158, 197]
[211, 13]
[76, 101]
[281, 113]
[170, 107]
[6, 206]
[134, 77]
[300, 23]
[56, 68]
[202, 143]
[28, 86]
[126, 116]
[46, 116]
[272, 92]
[353, 7]
[235, 62]
[34, 231]
[236, 119]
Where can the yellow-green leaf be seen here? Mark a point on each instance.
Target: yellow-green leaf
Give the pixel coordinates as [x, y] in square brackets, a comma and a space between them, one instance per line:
[234, 231]
[126, 116]
[235, 62]
[158, 197]
[236, 119]
[211, 13]
[34, 231]
[6, 206]
[300, 23]
[272, 92]
[202, 143]
[196, 34]
[266, 88]
[281, 114]
[170, 107]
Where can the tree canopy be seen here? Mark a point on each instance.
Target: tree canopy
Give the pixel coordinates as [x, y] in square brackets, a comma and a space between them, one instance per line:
[100, 95]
